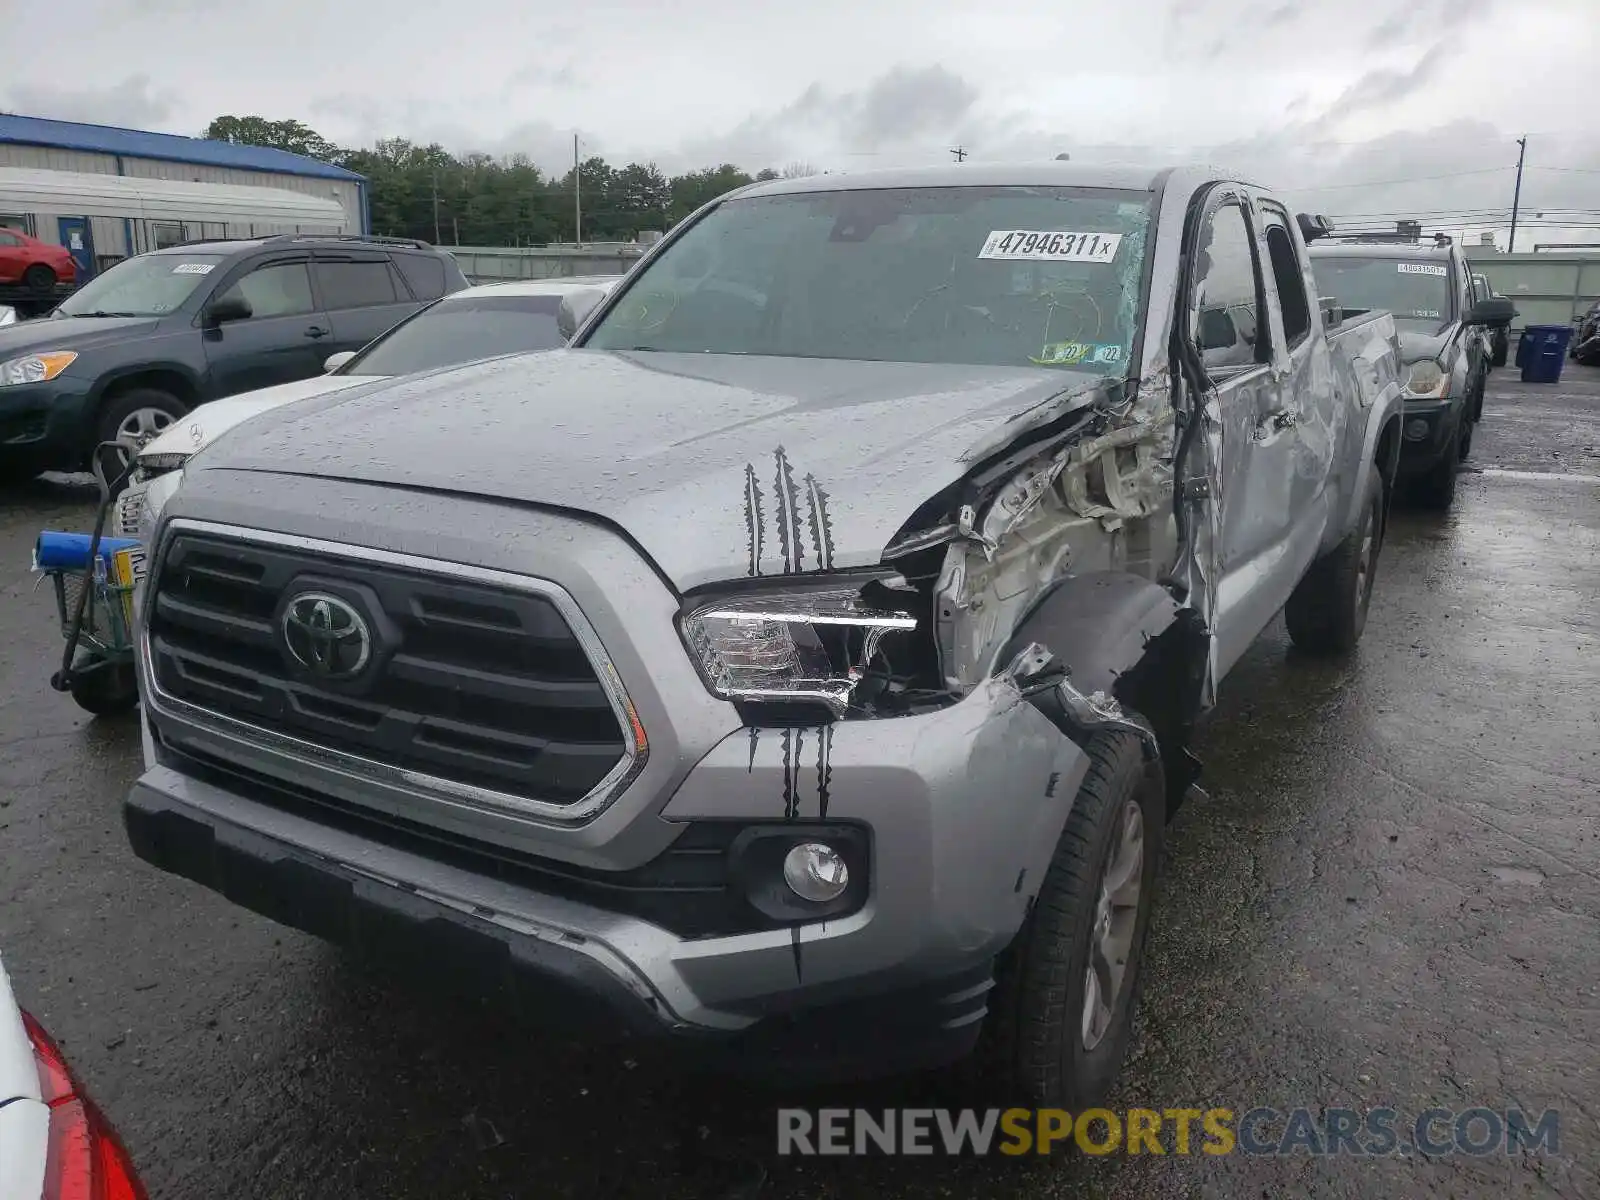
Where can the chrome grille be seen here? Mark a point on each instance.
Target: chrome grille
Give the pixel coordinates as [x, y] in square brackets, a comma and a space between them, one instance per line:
[472, 684]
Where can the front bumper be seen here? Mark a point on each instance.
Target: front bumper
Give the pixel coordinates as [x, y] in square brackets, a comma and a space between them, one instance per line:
[44, 426]
[1427, 427]
[962, 806]
[959, 846]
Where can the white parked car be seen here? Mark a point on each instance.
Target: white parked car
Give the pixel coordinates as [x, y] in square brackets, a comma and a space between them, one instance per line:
[481, 322]
[54, 1142]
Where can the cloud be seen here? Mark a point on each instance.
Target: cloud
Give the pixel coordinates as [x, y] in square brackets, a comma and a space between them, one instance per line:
[543, 75]
[135, 102]
[1385, 86]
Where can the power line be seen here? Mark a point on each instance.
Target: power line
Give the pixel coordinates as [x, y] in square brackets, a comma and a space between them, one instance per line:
[1332, 187]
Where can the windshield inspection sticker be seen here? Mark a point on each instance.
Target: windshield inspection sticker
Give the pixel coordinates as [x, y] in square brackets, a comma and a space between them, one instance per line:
[1426, 312]
[1422, 269]
[193, 268]
[1035, 245]
[1071, 354]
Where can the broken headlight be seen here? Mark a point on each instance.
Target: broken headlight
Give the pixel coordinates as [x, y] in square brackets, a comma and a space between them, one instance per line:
[805, 646]
[1425, 380]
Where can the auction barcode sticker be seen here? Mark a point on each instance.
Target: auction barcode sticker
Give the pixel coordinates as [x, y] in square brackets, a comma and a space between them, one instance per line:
[193, 268]
[1422, 269]
[1037, 245]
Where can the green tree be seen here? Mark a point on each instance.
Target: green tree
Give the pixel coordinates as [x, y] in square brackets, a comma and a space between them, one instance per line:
[424, 191]
[293, 136]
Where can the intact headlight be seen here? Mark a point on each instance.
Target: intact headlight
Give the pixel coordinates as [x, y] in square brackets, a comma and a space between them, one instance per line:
[35, 368]
[794, 646]
[1426, 380]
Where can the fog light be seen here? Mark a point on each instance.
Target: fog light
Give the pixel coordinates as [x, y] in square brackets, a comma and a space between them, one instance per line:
[1416, 430]
[815, 872]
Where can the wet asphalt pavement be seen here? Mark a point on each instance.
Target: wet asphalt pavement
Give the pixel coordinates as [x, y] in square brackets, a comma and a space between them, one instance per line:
[1391, 897]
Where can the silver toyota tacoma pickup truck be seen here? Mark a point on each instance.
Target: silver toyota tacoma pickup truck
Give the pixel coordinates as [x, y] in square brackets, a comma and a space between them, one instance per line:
[804, 662]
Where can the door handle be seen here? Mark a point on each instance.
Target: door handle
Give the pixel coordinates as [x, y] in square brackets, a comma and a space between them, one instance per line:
[317, 331]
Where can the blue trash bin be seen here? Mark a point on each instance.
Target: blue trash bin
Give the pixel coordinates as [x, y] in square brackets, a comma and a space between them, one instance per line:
[1543, 352]
[1524, 340]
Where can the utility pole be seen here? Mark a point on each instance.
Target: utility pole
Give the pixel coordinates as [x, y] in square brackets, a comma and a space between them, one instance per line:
[577, 196]
[1516, 196]
[959, 154]
[437, 240]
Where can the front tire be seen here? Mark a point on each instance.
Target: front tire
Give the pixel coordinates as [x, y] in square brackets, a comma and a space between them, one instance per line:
[1068, 986]
[135, 416]
[1437, 489]
[39, 278]
[1327, 611]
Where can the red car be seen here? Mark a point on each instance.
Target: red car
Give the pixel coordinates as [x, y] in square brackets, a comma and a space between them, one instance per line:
[36, 265]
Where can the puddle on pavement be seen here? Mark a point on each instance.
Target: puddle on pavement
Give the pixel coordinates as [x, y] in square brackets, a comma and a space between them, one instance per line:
[1522, 876]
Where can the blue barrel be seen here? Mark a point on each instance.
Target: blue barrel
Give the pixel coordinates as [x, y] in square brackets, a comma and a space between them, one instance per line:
[1545, 352]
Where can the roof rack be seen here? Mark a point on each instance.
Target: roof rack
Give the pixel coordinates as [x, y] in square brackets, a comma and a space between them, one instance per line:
[370, 238]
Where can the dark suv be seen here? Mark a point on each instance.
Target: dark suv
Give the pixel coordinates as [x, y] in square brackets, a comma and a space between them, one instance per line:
[141, 344]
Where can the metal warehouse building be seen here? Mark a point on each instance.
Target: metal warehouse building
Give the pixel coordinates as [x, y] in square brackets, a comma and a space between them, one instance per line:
[107, 193]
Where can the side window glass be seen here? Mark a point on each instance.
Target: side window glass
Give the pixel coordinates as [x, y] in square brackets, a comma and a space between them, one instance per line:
[424, 273]
[1223, 313]
[356, 284]
[1286, 273]
[276, 290]
[7, 239]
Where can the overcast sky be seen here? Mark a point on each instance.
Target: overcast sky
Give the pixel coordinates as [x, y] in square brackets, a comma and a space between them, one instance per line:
[1424, 98]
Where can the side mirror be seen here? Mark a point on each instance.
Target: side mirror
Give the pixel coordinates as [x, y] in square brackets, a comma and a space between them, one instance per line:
[227, 308]
[8, 315]
[1313, 227]
[575, 307]
[1496, 312]
[1332, 312]
[335, 361]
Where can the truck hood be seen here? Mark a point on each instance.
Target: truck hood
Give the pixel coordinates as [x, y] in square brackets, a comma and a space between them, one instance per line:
[204, 424]
[718, 466]
[70, 333]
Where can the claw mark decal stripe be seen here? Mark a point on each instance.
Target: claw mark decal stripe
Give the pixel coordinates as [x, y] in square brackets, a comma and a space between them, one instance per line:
[791, 529]
[754, 517]
[793, 743]
[788, 497]
[824, 769]
[821, 523]
[791, 793]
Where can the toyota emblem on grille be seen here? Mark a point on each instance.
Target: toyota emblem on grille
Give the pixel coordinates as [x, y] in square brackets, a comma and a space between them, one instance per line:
[326, 635]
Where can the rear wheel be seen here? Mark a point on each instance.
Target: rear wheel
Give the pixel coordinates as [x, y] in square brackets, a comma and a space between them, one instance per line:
[1327, 612]
[1068, 986]
[39, 278]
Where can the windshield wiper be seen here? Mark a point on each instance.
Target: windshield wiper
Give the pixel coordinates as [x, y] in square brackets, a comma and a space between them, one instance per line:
[100, 312]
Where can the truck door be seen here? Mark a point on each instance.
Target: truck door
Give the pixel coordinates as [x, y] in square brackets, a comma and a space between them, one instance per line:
[1229, 320]
[1309, 418]
[284, 338]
